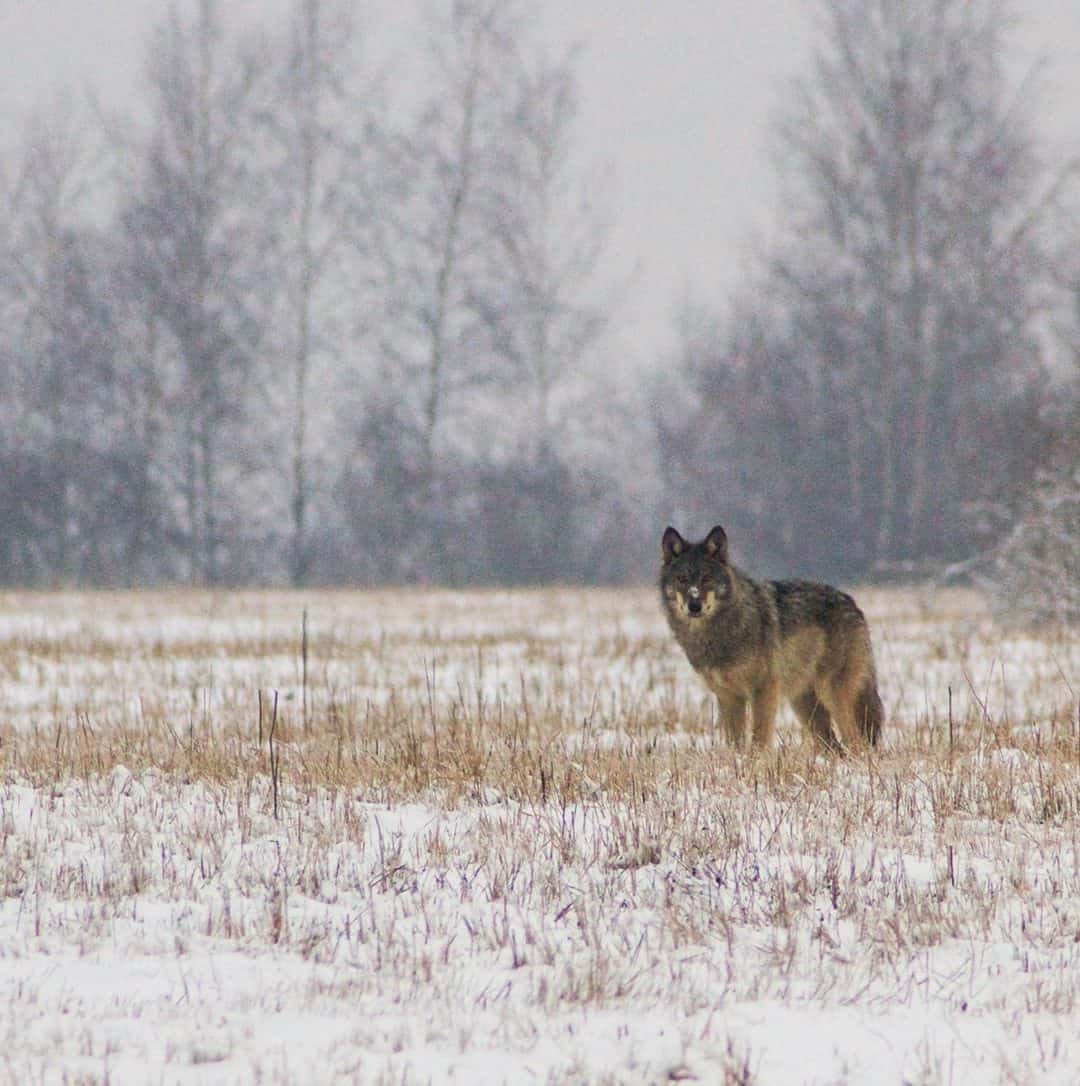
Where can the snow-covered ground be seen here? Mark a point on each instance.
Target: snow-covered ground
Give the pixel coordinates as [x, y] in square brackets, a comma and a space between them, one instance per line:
[510, 848]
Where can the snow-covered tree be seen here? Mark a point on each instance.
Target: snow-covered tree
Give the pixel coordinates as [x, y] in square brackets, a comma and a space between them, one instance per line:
[1035, 574]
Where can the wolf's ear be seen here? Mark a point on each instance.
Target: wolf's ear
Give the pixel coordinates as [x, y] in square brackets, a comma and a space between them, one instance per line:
[716, 544]
[673, 544]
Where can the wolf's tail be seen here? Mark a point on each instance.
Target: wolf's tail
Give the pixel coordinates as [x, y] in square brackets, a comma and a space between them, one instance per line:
[869, 712]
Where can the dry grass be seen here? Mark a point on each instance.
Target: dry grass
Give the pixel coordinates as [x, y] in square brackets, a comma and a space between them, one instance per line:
[567, 696]
[514, 810]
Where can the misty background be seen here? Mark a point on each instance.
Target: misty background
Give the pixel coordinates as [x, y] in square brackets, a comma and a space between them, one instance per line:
[312, 292]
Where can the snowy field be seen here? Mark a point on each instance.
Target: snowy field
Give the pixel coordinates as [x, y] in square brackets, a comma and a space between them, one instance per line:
[495, 838]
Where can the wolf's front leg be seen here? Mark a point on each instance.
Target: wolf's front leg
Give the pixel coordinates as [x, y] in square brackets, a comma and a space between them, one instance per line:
[763, 710]
[733, 718]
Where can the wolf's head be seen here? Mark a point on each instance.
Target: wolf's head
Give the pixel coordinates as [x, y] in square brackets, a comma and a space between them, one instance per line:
[695, 579]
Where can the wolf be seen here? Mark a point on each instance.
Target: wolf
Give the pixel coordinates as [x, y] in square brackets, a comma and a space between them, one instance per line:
[755, 642]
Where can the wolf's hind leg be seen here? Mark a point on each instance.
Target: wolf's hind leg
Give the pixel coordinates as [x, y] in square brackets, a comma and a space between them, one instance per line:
[842, 705]
[817, 720]
[869, 712]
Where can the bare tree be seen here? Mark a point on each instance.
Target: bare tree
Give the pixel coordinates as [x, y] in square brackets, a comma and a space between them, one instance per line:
[432, 246]
[196, 241]
[540, 302]
[316, 126]
[542, 314]
[488, 246]
[58, 362]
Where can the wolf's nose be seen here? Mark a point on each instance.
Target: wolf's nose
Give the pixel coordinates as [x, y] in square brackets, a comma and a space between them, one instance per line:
[693, 605]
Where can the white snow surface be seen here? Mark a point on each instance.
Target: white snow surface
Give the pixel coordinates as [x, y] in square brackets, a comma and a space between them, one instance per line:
[157, 929]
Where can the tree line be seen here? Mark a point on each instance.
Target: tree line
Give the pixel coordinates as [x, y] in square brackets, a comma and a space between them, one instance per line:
[298, 322]
[881, 397]
[295, 325]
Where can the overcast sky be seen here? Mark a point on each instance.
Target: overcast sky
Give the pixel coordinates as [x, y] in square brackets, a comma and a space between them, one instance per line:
[676, 97]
